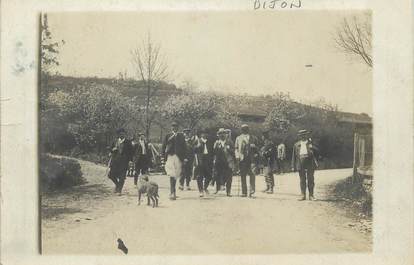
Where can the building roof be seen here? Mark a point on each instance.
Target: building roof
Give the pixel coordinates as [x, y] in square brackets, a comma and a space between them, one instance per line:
[347, 117]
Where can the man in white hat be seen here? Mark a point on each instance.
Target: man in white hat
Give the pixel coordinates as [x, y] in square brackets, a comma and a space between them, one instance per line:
[244, 155]
[304, 161]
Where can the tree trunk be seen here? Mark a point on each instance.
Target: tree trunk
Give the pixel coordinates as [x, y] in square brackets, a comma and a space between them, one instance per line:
[147, 131]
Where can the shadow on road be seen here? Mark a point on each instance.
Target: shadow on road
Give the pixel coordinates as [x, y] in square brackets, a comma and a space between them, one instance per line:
[55, 211]
[73, 200]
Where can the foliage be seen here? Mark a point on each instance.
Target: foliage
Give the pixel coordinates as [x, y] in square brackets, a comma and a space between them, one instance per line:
[353, 190]
[227, 113]
[91, 115]
[190, 109]
[334, 142]
[283, 113]
[59, 173]
[49, 49]
[80, 118]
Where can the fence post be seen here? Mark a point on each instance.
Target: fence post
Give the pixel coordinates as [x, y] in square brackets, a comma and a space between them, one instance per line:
[354, 166]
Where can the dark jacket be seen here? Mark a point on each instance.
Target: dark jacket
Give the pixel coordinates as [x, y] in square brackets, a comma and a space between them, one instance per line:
[204, 159]
[269, 153]
[191, 144]
[296, 161]
[121, 154]
[174, 145]
[224, 155]
[139, 157]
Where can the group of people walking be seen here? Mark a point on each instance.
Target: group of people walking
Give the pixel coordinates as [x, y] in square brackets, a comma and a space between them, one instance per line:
[189, 156]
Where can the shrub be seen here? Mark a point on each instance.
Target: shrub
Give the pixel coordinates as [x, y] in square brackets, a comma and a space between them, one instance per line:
[353, 190]
[58, 173]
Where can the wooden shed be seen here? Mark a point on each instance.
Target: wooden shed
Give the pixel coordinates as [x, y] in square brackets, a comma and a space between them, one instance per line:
[363, 142]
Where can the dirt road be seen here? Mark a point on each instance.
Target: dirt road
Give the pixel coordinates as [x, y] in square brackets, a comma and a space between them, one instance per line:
[89, 219]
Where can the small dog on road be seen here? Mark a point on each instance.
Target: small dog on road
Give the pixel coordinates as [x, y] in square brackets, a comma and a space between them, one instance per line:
[150, 188]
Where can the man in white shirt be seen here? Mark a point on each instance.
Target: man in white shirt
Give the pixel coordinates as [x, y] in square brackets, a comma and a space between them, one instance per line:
[205, 161]
[142, 157]
[281, 156]
[304, 161]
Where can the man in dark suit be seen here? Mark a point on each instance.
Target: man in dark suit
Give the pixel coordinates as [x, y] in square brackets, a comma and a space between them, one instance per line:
[304, 161]
[223, 161]
[204, 154]
[187, 172]
[121, 154]
[142, 157]
[174, 151]
[268, 152]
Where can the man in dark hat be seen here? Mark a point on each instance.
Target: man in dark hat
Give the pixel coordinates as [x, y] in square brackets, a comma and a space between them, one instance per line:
[187, 172]
[268, 152]
[223, 159]
[142, 157]
[174, 150]
[205, 158]
[244, 155]
[304, 161]
[121, 154]
[233, 165]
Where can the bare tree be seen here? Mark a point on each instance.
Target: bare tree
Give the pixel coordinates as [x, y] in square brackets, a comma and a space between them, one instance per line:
[354, 37]
[151, 67]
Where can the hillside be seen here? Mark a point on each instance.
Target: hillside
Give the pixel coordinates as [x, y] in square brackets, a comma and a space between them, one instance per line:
[128, 87]
[257, 106]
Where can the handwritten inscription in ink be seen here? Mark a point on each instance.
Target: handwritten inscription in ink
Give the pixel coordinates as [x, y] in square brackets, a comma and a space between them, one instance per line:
[275, 4]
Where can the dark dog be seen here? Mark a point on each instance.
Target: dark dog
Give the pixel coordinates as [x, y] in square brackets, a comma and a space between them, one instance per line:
[150, 188]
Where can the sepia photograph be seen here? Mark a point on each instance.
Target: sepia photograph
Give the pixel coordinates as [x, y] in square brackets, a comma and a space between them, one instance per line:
[206, 132]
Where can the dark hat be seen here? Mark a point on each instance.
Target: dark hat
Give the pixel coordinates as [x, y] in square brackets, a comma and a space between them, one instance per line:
[187, 130]
[266, 132]
[121, 130]
[302, 132]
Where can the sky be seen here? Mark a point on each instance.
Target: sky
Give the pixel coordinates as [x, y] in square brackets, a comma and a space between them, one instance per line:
[232, 51]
